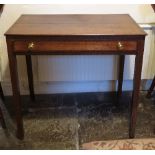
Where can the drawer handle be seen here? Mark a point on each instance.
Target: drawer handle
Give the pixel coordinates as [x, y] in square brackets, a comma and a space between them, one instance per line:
[120, 46]
[31, 46]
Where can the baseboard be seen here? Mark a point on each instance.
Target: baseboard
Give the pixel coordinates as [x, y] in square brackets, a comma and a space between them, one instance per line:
[73, 87]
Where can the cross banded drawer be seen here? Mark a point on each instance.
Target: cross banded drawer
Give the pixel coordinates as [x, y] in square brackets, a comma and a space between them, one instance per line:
[23, 46]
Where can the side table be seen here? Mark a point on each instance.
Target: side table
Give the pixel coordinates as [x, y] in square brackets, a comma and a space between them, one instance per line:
[113, 34]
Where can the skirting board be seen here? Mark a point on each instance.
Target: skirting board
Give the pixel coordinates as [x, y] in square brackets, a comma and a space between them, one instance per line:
[73, 87]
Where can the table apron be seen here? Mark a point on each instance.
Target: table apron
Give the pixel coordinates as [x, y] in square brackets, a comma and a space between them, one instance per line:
[75, 47]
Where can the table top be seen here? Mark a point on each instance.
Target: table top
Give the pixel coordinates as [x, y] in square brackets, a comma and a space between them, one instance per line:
[79, 24]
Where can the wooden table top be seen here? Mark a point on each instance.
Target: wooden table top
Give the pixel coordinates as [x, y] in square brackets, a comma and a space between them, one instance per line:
[62, 25]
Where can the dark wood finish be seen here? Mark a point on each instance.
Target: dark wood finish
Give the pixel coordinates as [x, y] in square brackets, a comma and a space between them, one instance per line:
[151, 88]
[136, 87]
[120, 77]
[74, 46]
[51, 25]
[1, 114]
[75, 52]
[1, 8]
[1, 92]
[30, 76]
[15, 90]
[2, 119]
[76, 34]
[153, 6]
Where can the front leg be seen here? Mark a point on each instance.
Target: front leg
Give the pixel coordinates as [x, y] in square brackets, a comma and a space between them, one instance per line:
[136, 89]
[15, 90]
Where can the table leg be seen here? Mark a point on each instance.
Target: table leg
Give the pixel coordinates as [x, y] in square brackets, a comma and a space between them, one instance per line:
[30, 76]
[120, 77]
[2, 119]
[1, 114]
[151, 88]
[15, 90]
[1, 92]
[136, 88]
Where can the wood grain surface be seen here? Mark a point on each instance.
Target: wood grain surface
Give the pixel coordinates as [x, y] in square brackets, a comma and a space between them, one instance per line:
[109, 24]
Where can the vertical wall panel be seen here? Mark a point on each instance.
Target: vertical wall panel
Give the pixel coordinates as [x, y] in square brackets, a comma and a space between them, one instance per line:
[77, 68]
[148, 69]
[82, 68]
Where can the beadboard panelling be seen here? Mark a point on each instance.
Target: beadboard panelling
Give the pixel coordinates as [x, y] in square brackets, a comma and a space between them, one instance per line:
[76, 68]
[149, 56]
[82, 68]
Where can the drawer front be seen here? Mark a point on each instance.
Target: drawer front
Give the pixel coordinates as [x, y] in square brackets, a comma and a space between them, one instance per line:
[23, 46]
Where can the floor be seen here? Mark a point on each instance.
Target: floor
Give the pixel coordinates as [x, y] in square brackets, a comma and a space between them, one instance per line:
[66, 121]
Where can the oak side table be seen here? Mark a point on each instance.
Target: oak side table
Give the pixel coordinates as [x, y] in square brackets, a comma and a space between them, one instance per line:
[110, 34]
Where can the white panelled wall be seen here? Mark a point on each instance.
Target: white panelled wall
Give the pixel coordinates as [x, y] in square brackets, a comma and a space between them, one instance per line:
[63, 74]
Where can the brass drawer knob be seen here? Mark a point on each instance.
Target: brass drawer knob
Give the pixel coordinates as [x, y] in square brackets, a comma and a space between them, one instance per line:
[30, 46]
[120, 46]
